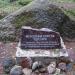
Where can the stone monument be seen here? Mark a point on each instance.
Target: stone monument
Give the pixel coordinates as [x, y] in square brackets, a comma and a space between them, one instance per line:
[40, 45]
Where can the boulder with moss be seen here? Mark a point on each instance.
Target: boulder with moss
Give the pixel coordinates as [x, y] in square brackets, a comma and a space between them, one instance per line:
[37, 14]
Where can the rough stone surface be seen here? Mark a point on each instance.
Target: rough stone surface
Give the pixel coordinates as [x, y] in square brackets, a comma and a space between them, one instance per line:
[7, 30]
[39, 13]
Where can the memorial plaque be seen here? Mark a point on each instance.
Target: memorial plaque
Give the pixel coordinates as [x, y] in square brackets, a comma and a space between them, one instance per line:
[39, 39]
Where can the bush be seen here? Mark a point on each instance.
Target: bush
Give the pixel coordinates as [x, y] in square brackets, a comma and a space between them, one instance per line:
[24, 2]
[1, 16]
[12, 0]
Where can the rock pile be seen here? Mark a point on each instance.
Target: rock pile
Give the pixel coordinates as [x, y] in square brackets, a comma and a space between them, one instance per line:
[38, 67]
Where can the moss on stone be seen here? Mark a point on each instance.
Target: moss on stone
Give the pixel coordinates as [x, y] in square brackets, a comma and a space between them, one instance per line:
[22, 19]
[29, 18]
[53, 18]
[38, 15]
[1, 16]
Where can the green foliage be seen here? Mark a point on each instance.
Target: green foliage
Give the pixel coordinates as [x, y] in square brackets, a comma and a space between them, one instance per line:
[24, 2]
[1, 16]
[71, 12]
[22, 19]
[3, 3]
[9, 6]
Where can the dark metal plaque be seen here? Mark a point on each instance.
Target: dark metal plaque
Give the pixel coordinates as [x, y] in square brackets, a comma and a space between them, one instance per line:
[38, 39]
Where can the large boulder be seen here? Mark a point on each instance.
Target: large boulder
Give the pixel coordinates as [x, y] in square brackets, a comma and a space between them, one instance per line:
[39, 13]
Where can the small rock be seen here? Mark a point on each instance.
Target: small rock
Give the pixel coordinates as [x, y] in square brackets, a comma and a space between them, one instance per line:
[62, 66]
[38, 67]
[34, 66]
[57, 71]
[69, 67]
[16, 70]
[24, 62]
[51, 68]
[27, 71]
[8, 63]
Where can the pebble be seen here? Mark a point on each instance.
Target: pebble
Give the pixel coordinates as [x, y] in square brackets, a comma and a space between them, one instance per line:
[27, 71]
[52, 67]
[62, 66]
[38, 67]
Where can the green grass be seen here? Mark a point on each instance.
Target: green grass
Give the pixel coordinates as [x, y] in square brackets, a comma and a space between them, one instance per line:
[24, 2]
[70, 13]
[8, 7]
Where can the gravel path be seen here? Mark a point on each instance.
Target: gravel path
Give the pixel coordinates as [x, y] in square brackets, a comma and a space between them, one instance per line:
[66, 5]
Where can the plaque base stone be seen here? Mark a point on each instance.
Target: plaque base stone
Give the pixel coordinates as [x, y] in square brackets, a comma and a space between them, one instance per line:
[46, 56]
[42, 45]
[40, 53]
